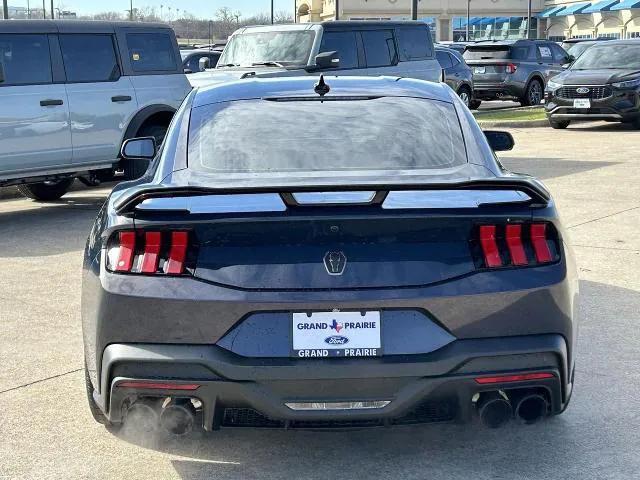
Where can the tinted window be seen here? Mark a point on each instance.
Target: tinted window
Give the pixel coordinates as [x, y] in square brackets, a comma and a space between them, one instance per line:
[521, 52]
[379, 49]
[413, 43]
[545, 53]
[25, 59]
[89, 58]
[345, 44]
[609, 56]
[559, 54]
[273, 138]
[443, 59]
[151, 52]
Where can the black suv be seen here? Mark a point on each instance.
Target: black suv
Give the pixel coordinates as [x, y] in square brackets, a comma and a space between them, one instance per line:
[602, 84]
[514, 70]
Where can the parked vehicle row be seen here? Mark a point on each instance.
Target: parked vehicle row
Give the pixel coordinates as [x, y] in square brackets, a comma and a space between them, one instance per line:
[457, 74]
[71, 92]
[602, 84]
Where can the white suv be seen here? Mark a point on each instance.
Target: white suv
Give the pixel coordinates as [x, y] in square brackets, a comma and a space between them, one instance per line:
[73, 91]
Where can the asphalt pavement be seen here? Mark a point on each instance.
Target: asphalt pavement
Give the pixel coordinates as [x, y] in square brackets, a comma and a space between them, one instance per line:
[46, 430]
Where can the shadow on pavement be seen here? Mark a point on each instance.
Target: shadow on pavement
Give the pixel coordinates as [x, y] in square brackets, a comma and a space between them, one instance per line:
[545, 168]
[591, 440]
[44, 229]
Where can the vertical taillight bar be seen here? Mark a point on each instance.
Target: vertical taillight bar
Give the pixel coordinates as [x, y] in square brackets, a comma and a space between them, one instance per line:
[126, 248]
[513, 234]
[490, 246]
[539, 242]
[177, 253]
[151, 255]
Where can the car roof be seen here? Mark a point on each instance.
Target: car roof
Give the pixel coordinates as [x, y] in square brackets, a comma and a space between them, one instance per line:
[628, 41]
[330, 25]
[505, 42]
[288, 87]
[72, 26]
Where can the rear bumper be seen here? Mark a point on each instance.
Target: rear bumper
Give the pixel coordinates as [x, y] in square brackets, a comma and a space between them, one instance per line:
[437, 386]
[492, 91]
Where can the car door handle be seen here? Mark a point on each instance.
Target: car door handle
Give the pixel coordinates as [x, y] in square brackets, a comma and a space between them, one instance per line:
[121, 98]
[50, 102]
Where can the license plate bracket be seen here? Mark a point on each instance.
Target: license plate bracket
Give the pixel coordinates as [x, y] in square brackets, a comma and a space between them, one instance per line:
[336, 334]
[479, 70]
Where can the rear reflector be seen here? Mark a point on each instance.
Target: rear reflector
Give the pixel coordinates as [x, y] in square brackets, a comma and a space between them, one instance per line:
[489, 246]
[127, 242]
[514, 243]
[158, 386]
[539, 242]
[514, 378]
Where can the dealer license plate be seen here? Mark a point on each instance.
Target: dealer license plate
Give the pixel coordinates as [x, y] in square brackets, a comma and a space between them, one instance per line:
[581, 103]
[336, 334]
[479, 69]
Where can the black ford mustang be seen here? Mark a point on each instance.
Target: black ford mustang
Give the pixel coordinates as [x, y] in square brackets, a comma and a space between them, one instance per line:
[304, 253]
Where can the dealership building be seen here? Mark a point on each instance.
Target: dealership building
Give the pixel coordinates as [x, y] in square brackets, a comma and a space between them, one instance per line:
[491, 19]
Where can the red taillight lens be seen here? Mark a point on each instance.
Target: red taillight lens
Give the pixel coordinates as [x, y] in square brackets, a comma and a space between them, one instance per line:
[148, 252]
[490, 246]
[515, 244]
[539, 242]
[513, 234]
[127, 246]
[158, 386]
[177, 253]
[151, 256]
[511, 68]
[514, 378]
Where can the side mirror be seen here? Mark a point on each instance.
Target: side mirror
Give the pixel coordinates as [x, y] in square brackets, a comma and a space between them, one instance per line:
[142, 147]
[499, 141]
[204, 63]
[327, 60]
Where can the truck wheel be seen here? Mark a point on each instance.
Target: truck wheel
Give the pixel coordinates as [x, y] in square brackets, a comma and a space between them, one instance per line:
[46, 191]
[136, 168]
[465, 95]
[559, 124]
[475, 104]
[533, 94]
[96, 413]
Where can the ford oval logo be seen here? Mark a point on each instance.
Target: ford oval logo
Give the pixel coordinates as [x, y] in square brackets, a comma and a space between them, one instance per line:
[582, 90]
[336, 340]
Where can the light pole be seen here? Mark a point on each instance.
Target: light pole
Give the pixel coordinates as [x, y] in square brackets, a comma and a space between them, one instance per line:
[468, 20]
[44, 10]
[414, 9]
[337, 10]
[271, 12]
[131, 10]
[529, 19]
[53, 13]
[5, 10]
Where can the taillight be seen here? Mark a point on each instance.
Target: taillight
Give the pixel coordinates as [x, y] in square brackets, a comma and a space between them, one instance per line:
[149, 252]
[511, 68]
[515, 244]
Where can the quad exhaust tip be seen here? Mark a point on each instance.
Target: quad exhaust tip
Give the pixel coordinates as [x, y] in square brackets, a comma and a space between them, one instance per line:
[143, 415]
[178, 418]
[531, 408]
[494, 409]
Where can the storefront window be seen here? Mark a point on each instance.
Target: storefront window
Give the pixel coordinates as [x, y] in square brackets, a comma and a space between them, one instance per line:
[493, 28]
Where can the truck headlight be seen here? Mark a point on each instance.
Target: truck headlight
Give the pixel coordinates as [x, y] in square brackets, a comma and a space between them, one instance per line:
[627, 84]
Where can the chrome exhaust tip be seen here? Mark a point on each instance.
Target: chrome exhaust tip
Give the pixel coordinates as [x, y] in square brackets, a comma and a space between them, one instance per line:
[143, 416]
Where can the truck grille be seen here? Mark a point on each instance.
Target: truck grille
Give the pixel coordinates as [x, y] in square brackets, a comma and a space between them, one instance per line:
[595, 93]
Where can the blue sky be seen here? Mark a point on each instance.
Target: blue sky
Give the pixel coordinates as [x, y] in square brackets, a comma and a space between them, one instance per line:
[199, 8]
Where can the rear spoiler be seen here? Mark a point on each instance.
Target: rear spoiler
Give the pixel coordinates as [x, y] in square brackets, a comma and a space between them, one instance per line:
[537, 194]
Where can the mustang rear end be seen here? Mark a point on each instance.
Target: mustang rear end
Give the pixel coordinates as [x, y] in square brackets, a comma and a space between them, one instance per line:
[291, 260]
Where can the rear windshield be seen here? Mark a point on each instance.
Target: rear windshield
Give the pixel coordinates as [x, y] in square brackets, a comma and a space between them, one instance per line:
[272, 137]
[498, 52]
[609, 56]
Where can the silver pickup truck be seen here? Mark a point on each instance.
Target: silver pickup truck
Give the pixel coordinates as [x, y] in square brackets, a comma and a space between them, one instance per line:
[72, 91]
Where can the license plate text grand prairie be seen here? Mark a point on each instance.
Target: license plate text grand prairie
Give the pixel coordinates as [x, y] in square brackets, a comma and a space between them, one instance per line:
[336, 334]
